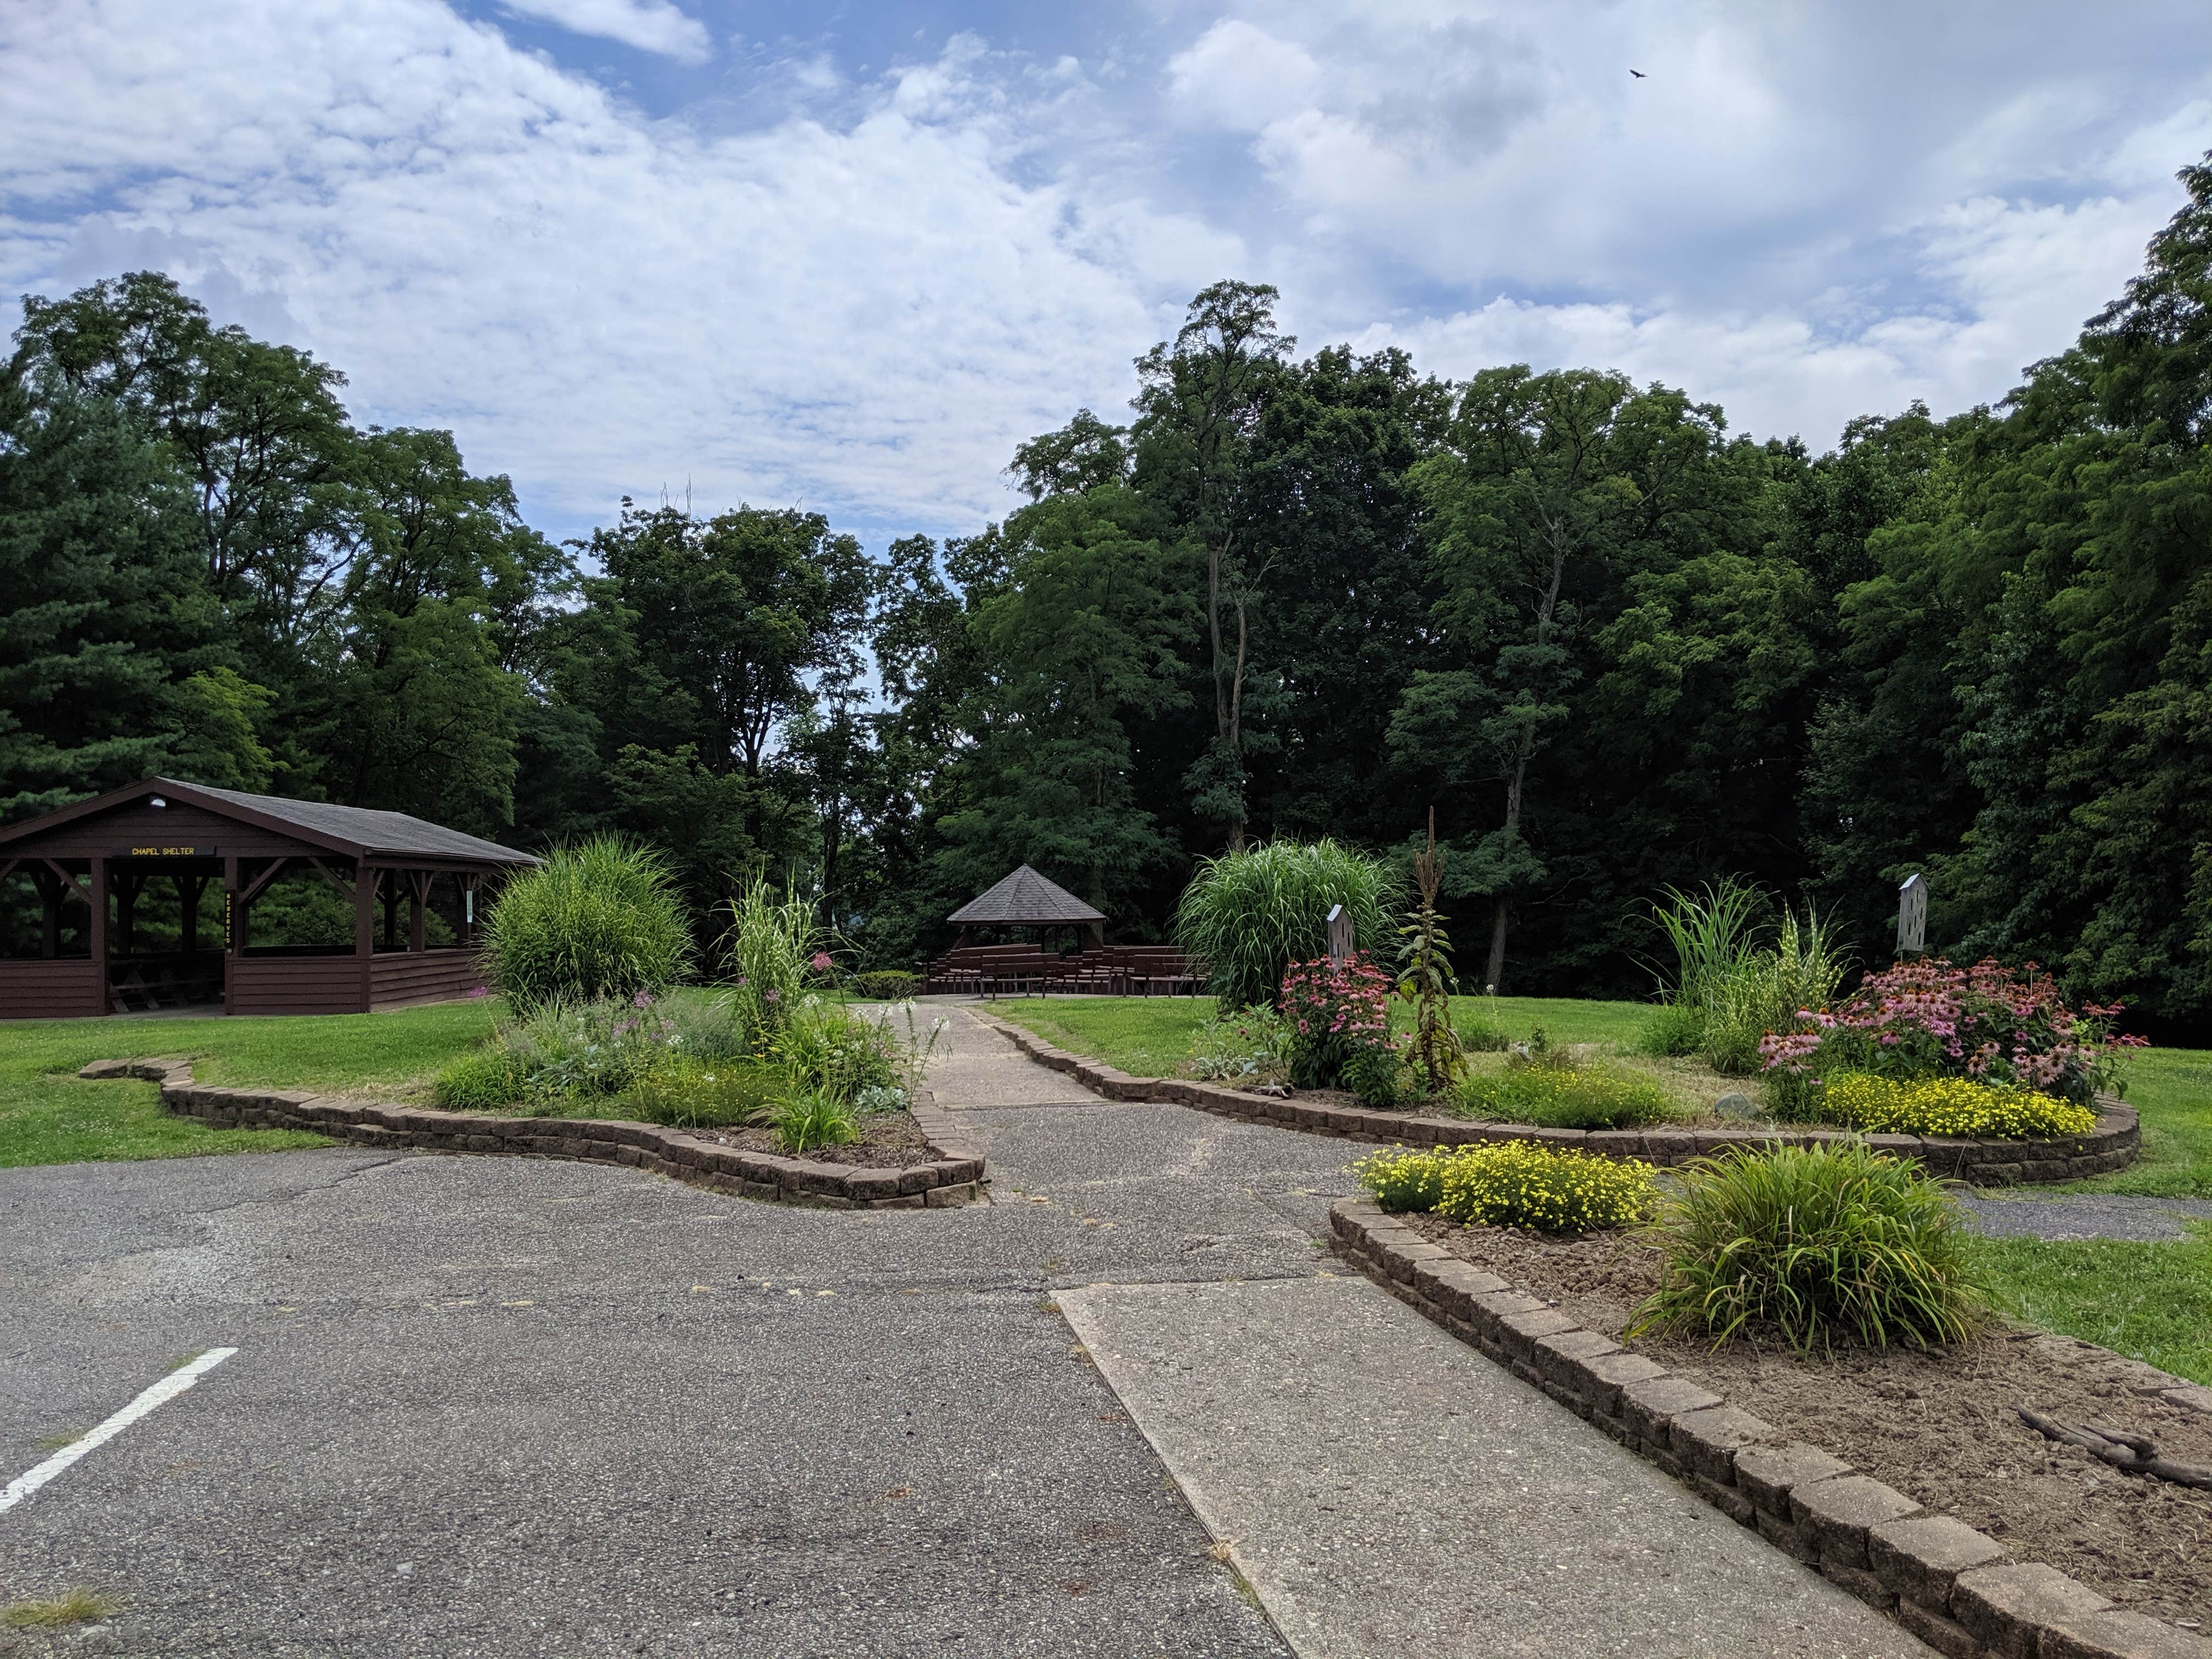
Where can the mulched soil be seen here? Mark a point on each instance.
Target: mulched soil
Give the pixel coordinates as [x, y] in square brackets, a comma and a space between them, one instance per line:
[888, 1140]
[1941, 1426]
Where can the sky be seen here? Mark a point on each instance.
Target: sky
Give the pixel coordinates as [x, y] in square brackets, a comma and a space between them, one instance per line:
[846, 256]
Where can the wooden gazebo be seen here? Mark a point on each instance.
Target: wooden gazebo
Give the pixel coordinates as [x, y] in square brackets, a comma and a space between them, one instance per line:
[91, 864]
[1026, 899]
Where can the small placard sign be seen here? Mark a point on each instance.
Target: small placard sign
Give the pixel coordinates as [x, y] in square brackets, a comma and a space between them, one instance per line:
[163, 851]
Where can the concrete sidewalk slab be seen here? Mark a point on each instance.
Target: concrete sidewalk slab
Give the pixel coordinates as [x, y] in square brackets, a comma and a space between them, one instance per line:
[1388, 1490]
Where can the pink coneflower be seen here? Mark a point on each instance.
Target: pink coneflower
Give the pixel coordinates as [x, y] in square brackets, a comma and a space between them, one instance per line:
[822, 964]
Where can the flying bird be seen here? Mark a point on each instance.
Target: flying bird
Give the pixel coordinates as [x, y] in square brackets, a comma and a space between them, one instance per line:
[1639, 75]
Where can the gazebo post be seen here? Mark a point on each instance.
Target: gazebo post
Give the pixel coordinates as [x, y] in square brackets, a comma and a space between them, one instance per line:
[230, 946]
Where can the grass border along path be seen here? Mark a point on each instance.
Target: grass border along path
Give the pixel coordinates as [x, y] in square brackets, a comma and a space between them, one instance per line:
[48, 1115]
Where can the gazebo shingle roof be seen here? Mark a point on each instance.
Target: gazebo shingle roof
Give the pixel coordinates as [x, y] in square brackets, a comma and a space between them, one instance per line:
[1026, 899]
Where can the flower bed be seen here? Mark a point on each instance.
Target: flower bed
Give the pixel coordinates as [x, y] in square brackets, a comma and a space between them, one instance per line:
[2113, 1145]
[1965, 1591]
[1939, 1425]
[952, 1175]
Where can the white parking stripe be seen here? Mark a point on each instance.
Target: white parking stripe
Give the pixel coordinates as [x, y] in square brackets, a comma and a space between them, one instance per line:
[167, 1389]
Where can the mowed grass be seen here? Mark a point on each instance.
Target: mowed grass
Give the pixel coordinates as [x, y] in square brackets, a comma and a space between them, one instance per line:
[2152, 1301]
[1150, 1037]
[50, 1115]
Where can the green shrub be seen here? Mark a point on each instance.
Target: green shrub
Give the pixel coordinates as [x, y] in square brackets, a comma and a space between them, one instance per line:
[1949, 1106]
[1815, 1244]
[886, 985]
[703, 1027]
[1250, 916]
[482, 1081]
[1573, 1096]
[832, 1051]
[1378, 1077]
[689, 1093]
[774, 943]
[598, 919]
[806, 1119]
[1673, 1031]
[1513, 1184]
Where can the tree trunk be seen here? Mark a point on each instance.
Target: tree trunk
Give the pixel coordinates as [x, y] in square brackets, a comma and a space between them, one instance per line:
[1496, 971]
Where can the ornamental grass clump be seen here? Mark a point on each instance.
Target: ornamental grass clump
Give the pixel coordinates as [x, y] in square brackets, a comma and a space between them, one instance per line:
[1954, 1106]
[1250, 916]
[1818, 1246]
[774, 945]
[1513, 1184]
[599, 920]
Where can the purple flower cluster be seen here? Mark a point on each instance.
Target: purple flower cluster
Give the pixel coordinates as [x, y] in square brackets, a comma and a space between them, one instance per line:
[1930, 1018]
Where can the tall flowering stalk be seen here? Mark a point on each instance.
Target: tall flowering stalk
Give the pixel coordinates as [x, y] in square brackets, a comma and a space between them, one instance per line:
[1988, 1023]
[1425, 983]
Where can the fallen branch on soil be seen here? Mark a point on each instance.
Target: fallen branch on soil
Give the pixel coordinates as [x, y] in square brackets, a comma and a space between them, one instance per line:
[2133, 1453]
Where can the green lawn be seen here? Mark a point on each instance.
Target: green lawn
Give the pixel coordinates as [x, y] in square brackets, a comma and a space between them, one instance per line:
[2152, 1301]
[49, 1115]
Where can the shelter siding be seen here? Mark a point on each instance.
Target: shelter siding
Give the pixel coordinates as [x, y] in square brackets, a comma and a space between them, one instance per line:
[67, 987]
[398, 978]
[297, 985]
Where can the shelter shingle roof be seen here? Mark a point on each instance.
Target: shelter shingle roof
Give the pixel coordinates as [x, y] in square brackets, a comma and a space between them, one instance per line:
[1025, 899]
[356, 830]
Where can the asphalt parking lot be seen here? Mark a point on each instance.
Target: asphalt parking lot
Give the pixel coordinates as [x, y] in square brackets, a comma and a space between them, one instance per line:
[491, 1406]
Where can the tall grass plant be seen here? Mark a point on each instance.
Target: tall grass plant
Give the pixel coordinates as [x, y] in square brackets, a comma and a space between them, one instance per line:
[598, 919]
[774, 942]
[1250, 916]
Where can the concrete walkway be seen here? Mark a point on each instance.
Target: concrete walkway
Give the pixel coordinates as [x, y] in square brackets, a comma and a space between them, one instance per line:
[1383, 1488]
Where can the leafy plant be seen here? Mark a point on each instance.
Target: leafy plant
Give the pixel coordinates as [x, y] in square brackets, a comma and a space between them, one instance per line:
[1574, 1096]
[1513, 1183]
[1768, 990]
[773, 944]
[878, 1098]
[913, 1051]
[830, 1052]
[1816, 1244]
[1251, 1045]
[1949, 1106]
[1711, 932]
[807, 1119]
[688, 1093]
[586, 1049]
[1250, 916]
[1675, 1029]
[601, 919]
[1426, 982]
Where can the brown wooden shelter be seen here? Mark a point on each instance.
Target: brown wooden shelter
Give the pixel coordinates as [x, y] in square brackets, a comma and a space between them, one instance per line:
[92, 863]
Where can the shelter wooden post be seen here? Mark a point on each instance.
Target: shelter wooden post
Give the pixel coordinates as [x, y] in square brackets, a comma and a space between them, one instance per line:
[365, 883]
[230, 946]
[100, 935]
[418, 883]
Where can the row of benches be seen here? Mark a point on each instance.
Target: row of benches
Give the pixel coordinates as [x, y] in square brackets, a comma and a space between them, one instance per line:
[1114, 970]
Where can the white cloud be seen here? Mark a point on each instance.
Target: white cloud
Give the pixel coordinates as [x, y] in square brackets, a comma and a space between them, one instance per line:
[649, 25]
[860, 291]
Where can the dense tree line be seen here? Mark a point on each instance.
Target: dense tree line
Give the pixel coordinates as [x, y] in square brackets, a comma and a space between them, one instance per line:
[1615, 645]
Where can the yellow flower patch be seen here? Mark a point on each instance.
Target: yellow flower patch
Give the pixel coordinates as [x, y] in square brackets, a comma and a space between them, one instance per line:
[1952, 1106]
[1512, 1184]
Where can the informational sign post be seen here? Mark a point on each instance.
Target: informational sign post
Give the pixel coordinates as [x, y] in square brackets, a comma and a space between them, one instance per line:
[1912, 916]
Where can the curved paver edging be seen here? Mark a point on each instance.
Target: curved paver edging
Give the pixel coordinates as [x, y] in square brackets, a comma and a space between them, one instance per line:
[1956, 1589]
[2113, 1145]
[956, 1178]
